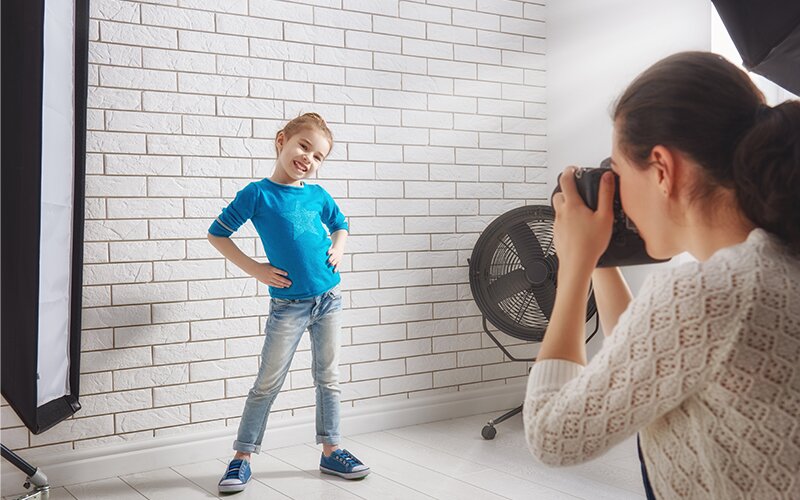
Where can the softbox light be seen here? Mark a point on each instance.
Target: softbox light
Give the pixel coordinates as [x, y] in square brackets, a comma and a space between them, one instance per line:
[767, 35]
[44, 85]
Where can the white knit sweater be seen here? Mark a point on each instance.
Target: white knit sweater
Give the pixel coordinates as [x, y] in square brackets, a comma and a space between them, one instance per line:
[705, 365]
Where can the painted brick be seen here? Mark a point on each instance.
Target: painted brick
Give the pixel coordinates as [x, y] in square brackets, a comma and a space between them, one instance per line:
[150, 377]
[378, 369]
[282, 51]
[102, 98]
[406, 383]
[147, 293]
[151, 335]
[229, 6]
[431, 363]
[114, 10]
[187, 311]
[117, 55]
[116, 359]
[178, 60]
[249, 26]
[137, 35]
[178, 103]
[151, 419]
[222, 368]
[171, 17]
[146, 250]
[213, 43]
[188, 393]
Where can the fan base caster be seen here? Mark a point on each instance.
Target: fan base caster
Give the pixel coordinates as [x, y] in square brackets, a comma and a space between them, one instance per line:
[488, 432]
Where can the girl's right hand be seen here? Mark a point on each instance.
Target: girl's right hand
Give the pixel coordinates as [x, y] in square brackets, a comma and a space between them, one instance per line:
[272, 276]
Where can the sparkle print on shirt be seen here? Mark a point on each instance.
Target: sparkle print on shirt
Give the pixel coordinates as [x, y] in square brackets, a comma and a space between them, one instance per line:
[302, 220]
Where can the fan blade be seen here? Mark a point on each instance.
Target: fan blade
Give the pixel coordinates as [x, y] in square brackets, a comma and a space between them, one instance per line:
[508, 285]
[545, 294]
[552, 263]
[525, 244]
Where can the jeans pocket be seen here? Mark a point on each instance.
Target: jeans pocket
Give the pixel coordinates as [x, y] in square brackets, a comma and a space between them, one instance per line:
[276, 304]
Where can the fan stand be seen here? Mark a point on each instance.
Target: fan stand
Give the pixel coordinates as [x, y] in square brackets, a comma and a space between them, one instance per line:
[489, 432]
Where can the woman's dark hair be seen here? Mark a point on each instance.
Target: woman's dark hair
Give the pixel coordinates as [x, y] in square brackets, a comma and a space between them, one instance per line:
[707, 108]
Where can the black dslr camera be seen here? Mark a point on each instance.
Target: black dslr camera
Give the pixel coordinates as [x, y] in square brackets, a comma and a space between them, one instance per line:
[626, 247]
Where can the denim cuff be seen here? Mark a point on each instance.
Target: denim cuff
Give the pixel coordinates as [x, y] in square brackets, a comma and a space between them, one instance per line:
[332, 440]
[246, 447]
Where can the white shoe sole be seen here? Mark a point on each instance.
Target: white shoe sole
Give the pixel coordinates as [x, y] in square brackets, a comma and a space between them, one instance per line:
[346, 475]
[232, 488]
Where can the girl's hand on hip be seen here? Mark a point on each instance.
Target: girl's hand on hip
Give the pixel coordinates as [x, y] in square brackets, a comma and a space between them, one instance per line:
[272, 276]
[335, 256]
[581, 235]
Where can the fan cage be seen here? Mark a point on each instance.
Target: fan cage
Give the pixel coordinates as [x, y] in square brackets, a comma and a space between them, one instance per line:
[495, 256]
[523, 306]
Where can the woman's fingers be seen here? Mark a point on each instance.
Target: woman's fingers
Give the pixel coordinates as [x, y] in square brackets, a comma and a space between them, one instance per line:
[606, 197]
[567, 183]
[558, 201]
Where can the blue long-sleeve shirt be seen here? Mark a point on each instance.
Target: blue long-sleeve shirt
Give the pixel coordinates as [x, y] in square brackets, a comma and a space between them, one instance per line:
[289, 220]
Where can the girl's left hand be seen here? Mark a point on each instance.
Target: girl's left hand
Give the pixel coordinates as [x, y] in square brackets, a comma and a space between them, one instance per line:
[335, 256]
[580, 234]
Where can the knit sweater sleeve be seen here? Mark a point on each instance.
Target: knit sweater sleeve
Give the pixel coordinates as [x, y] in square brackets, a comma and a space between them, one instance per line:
[659, 353]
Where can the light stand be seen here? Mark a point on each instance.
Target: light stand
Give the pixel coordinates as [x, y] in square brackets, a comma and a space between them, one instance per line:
[33, 476]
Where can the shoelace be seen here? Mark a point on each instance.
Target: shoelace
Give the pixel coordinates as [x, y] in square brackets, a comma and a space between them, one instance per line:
[233, 469]
[346, 458]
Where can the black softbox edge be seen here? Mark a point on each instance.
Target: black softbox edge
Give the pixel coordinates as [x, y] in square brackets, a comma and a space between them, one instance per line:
[774, 66]
[22, 60]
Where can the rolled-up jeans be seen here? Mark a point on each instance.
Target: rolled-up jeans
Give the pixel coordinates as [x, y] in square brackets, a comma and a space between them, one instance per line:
[287, 321]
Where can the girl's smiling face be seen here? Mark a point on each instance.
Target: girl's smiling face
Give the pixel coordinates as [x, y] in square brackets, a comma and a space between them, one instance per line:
[300, 155]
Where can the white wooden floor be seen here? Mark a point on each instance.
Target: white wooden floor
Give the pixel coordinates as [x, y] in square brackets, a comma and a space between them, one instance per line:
[442, 460]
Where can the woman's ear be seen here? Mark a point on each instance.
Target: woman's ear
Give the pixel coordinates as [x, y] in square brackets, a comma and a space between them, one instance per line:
[665, 168]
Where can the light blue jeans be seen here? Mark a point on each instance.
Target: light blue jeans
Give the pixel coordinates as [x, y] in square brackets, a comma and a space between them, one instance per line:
[287, 321]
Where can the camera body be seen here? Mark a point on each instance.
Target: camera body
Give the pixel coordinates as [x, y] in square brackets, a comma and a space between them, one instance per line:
[626, 247]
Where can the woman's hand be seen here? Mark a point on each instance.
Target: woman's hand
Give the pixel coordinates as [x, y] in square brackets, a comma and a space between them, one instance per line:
[271, 275]
[335, 256]
[580, 234]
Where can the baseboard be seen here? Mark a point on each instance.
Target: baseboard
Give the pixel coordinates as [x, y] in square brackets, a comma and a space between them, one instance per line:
[80, 466]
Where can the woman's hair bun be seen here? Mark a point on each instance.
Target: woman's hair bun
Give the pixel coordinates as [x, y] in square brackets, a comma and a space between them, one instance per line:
[766, 171]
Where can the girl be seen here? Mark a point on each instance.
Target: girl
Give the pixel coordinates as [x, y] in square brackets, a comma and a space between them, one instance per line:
[303, 280]
[703, 362]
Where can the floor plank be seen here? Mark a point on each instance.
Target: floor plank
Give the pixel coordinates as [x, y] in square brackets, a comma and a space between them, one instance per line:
[207, 475]
[375, 486]
[104, 489]
[166, 484]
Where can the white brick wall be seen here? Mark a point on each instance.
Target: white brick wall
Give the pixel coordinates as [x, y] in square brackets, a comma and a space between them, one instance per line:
[438, 113]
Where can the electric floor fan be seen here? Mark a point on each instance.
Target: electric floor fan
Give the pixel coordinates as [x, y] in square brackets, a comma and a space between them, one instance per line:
[513, 277]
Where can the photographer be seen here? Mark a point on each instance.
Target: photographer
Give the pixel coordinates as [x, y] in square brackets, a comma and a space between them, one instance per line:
[703, 362]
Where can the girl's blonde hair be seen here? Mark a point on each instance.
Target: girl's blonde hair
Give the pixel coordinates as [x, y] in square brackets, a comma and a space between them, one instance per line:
[306, 120]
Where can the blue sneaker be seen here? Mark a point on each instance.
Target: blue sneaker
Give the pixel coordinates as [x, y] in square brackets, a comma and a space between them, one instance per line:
[342, 463]
[236, 476]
